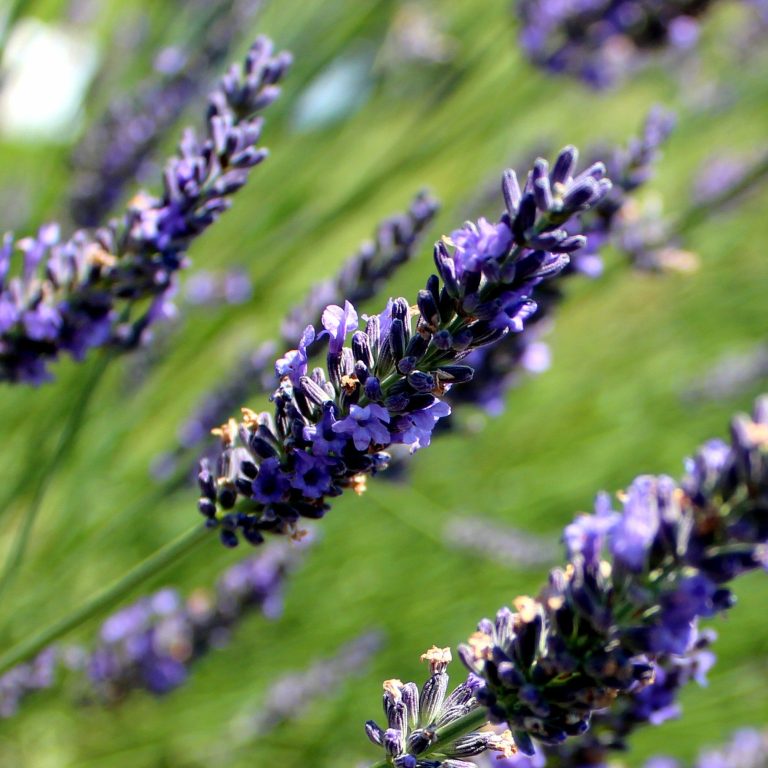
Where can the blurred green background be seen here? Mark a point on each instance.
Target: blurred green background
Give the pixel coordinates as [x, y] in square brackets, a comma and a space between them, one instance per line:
[625, 349]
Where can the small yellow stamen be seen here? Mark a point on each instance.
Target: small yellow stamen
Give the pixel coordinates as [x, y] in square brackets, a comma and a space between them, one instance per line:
[97, 256]
[393, 688]
[757, 433]
[299, 533]
[349, 383]
[250, 418]
[527, 608]
[480, 644]
[503, 743]
[555, 602]
[227, 432]
[438, 658]
[140, 201]
[359, 484]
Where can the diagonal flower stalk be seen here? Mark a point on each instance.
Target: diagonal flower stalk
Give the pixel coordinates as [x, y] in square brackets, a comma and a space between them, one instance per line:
[330, 429]
[66, 440]
[101, 601]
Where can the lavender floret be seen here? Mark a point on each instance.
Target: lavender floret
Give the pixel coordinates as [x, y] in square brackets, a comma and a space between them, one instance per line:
[360, 278]
[413, 717]
[71, 296]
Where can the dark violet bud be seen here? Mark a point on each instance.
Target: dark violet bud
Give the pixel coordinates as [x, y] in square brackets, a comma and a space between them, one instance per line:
[562, 170]
[397, 339]
[428, 306]
[581, 194]
[511, 192]
[373, 389]
[361, 349]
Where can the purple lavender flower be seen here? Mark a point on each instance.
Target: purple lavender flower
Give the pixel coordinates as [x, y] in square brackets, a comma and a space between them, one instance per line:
[626, 626]
[19, 682]
[153, 643]
[365, 425]
[500, 367]
[118, 147]
[601, 41]
[291, 694]
[74, 295]
[360, 278]
[386, 387]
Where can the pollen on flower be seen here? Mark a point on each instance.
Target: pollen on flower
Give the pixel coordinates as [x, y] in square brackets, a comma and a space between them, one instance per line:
[503, 743]
[438, 658]
[757, 433]
[141, 201]
[349, 383]
[393, 688]
[359, 484]
[227, 432]
[250, 418]
[555, 602]
[606, 569]
[481, 645]
[99, 257]
[299, 534]
[526, 607]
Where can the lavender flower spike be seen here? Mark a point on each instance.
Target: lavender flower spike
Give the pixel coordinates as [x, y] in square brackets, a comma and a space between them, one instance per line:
[413, 718]
[600, 41]
[603, 626]
[499, 367]
[117, 149]
[78, 294]
[385, 384]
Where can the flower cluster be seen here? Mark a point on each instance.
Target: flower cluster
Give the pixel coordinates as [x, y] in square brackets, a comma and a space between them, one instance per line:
[652, 704]
[19, 682]
[415, 719]
[70, 296]
[748, 748]
[290, 695]
[151, 644]
[385, 385]
[599, 41]
[360, 278]
[635, 585]
[498, 368]
[118, 147]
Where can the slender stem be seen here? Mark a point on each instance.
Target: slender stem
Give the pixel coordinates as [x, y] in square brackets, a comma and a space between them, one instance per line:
[696, 213]
[156, 562]
[445, 735]
[48, 471]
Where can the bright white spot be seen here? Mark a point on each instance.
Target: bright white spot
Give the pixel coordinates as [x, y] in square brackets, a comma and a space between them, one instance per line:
[337, 92]
[46, 70]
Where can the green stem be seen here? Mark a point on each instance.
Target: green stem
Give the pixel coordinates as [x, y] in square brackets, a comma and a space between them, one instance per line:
[449, 733]
[148, 568]
[696, 213]
[48, 471]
